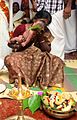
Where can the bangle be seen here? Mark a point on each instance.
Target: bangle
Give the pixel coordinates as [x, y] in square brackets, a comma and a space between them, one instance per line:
[42, 41]
[23, 38]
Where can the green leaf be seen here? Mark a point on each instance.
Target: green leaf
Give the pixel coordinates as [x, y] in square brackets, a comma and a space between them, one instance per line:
[35, 27]
[34, 103]
[45, 91]
[58, 90]
[9, 86]
[25, 103]
[35, 88]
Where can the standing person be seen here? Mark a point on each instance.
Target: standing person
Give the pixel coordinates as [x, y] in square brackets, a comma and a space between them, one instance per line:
[4, 31]
[52, 6]
[70, 22]
[15, 7]
[18, 15]
[32, 8]
[63, 30]
[55, 8]
[25, 7]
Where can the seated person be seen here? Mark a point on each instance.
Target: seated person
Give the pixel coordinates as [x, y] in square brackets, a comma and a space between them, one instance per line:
[31, 57]
[18, 15]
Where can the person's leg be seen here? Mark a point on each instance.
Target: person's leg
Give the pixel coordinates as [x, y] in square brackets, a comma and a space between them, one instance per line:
[4, 36]
[57, 29]
[70, 33]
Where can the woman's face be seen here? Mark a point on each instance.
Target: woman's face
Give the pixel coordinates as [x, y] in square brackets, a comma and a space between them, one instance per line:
[15, 7]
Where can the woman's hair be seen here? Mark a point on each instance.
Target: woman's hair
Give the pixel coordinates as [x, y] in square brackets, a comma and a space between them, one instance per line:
[42, 14]
[15, 7]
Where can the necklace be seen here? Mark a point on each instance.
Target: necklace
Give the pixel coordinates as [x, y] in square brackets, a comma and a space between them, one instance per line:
[4, 8]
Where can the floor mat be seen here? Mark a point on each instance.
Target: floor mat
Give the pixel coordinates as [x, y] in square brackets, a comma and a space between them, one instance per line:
[71, 63]
[70, 80]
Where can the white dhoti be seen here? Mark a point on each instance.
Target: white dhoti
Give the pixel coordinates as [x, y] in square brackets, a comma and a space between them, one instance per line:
[64, 32]
[4, 36]
[70, 33]
[57, 29]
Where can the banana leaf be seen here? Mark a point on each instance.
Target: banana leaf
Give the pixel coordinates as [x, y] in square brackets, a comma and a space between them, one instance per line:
[34, 103]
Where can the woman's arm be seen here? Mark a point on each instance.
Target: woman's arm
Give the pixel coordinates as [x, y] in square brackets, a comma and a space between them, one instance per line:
[30, 33]
[24, 39]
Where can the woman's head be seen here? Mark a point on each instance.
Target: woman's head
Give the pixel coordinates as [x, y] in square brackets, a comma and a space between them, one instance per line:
[15, 7]
[42, 14]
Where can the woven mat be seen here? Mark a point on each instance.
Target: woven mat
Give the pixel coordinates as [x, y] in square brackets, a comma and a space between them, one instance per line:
[70, 80]
[71, 63]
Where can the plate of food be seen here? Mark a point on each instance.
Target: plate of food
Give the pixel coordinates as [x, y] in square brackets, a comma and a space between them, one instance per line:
[2, 87]
[58, 104]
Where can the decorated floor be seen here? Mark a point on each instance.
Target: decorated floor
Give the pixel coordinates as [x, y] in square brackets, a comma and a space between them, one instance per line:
[9, 107]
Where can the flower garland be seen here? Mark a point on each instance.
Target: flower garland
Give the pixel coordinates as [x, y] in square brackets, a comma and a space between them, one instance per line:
[4, 8]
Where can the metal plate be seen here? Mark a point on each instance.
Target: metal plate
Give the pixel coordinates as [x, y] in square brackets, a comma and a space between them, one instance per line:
[4, 75]
[19, 118]
[2, 88]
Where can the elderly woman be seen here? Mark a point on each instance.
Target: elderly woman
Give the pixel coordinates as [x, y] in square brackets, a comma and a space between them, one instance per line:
[31, 58]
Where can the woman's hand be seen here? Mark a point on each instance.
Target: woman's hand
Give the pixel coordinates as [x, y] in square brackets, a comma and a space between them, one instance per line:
[15, 42]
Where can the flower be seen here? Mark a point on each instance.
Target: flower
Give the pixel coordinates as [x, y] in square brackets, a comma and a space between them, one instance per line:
[40, 93]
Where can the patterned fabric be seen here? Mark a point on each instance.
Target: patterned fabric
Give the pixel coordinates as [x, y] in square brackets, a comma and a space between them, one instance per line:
[51, 6]
[36, 67]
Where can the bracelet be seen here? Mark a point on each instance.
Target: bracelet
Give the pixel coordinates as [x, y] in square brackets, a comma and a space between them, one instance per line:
[23, 38]
[42, 41]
